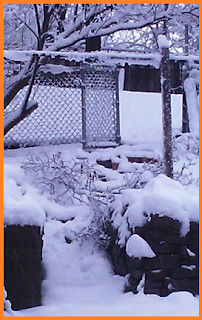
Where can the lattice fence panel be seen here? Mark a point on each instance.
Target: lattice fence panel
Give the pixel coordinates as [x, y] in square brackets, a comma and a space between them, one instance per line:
[101, 108]
[58, 117]
[61, 116]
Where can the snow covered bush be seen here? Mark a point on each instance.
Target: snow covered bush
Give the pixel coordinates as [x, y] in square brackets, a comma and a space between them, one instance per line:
[78, 181]
[60, 180]
[96, 230]
[184, 176]
[186, 143]
[186, 159]
[68, 182]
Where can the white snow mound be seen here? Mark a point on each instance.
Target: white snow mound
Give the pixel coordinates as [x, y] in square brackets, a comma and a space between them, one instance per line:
[21, 202]
[162, 196]
[137, 247]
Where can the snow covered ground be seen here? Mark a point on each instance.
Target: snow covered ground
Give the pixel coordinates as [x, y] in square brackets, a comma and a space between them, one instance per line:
[79, 278]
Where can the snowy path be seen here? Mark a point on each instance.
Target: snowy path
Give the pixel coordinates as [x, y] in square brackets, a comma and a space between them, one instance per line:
[80, 282]
[180, 304]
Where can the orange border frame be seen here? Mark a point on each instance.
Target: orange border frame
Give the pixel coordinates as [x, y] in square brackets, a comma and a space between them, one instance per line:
[2, 148]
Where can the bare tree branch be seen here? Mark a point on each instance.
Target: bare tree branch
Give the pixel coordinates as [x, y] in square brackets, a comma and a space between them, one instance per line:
[24, 22]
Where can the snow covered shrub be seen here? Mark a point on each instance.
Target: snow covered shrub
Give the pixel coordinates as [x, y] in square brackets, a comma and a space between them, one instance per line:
[187, 143]
[143, 173]
[186, 159]
[72, 181]
[184, 176]
[155, 168]
[58, 179]
[96, 229]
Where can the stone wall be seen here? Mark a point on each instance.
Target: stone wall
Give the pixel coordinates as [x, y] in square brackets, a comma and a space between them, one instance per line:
[175, 266]
[23, 270]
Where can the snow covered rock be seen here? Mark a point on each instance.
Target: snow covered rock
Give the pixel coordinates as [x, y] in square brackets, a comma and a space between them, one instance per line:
[137, 247]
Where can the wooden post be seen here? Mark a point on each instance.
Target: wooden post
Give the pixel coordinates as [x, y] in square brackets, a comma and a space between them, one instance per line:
[185, 119]
[186, 39]
[166, 105]
[118, 132]
[83, 101]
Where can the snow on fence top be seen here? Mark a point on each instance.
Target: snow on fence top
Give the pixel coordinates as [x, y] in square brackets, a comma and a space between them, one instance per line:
[102, 56]
[108, 58]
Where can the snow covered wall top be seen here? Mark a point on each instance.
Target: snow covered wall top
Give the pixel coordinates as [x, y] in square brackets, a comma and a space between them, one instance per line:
[24, 205]
[162, 196]
[21, 204]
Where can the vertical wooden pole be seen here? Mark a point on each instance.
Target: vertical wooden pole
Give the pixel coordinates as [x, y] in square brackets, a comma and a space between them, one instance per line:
[118, 133]
[166, 110]
[186, 38]
[185, 119]
[83, 101]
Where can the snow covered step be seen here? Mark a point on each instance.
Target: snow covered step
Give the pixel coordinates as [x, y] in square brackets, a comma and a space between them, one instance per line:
[109, 164]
